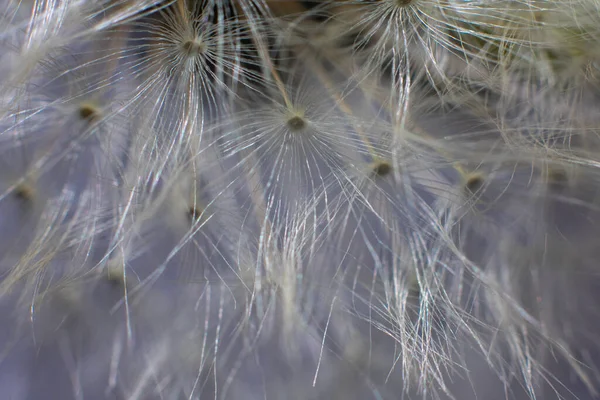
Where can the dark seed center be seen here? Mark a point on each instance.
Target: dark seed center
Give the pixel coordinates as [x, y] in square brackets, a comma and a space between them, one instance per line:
[382, 169]
[194, 213]
[192, 48]
[23, 193]
[88, 112]
[296, 123]
[474, 183]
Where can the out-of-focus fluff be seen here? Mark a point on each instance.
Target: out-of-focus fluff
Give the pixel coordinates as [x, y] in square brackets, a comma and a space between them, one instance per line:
[277, 199]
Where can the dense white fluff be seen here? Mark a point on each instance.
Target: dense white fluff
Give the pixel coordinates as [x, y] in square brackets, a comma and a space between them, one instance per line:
[280, 199]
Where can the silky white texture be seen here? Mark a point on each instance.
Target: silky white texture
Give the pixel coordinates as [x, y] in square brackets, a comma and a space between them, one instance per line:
[200, 200]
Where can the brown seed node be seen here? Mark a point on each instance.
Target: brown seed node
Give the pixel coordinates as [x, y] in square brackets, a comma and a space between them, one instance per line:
[382, 168]
[296, 123]
[24, 193]
[192, 48]
[88, 112]
[194, 213]
[474, 183]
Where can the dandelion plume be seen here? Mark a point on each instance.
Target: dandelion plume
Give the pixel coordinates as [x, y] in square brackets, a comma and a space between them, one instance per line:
[283, 199]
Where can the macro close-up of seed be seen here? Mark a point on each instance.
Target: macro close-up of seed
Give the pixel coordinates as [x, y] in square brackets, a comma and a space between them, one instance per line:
[303, 200]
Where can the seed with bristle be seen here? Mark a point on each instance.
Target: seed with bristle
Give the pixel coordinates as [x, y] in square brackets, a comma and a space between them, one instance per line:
[192, 48]
[474, 183]
[88, 112]
[24, 193]
[296, 123]
[115, 274]
[194, 213]
[382, 168]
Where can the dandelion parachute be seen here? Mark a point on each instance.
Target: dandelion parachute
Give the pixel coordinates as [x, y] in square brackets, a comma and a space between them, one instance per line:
[269, 199]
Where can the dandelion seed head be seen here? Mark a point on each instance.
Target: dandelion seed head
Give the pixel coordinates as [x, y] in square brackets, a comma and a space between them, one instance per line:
[264, 198]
